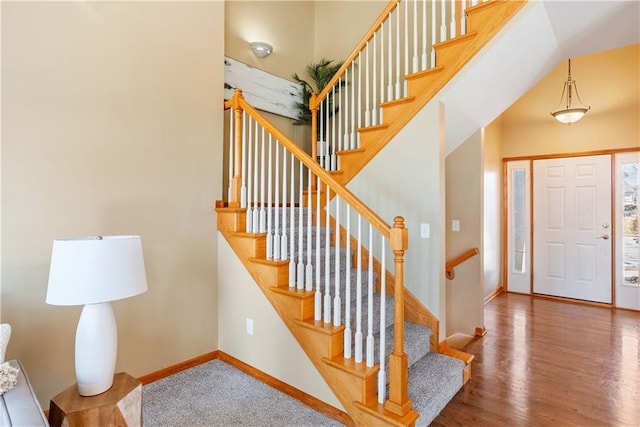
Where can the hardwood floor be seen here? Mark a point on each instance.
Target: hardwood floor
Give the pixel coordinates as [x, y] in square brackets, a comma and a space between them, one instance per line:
[551, 363]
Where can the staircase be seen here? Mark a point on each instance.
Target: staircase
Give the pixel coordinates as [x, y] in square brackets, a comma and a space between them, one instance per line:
[434, 377]
[332, 269]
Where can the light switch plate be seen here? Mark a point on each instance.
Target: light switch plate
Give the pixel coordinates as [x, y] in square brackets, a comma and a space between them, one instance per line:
[455, 225]
[425, 233]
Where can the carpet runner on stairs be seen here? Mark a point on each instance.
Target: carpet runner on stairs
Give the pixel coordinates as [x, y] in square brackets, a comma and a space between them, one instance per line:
[433, 378]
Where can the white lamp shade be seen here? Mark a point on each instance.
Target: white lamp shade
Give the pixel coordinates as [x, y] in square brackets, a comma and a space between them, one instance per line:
[90, 270]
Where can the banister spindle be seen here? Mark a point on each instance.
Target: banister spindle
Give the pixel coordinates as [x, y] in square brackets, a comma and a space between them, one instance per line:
[443, 21]
[358, 335]
[433, 34]
[356, 134]
[336, 299]
[424, 34]
[314, 125]
[367, 99]
[292, 224]
[415, 36]
[232, 115]
[263, 179]
[370, 289]
[406, 69]
[352, 135]
[250, 173]
[390, 62]
[374, 96]
[308, 277]
[382, 76]
[256, 176]
[334, 149]
[284, 242]
[382, 373]
[327, 253]
[269, 202]
[347, 292]
[318, 294]
[277, 240]
[300, 265]
[452, 30]
[398, 50]
[243, 174]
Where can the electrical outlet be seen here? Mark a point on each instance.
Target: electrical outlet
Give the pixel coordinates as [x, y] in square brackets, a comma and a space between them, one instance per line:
[250, 326]
[424, 231]
[455, 225]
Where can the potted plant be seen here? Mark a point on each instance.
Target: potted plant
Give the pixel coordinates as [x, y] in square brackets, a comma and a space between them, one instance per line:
[319, 73]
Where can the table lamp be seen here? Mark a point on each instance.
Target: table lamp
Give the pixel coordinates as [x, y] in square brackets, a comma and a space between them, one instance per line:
[92, 271]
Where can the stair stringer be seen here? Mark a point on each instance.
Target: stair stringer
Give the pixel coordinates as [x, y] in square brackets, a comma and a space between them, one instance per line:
[484, 22]
[353, 384]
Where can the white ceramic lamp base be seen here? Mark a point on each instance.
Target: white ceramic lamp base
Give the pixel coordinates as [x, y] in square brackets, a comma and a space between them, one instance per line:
[96, 349]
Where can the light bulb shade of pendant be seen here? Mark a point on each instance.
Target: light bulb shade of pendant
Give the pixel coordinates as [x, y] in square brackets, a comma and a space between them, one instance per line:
[261, 49]
[570, 114]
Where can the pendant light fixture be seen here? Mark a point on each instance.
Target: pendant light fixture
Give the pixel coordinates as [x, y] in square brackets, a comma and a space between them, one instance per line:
[570, 114]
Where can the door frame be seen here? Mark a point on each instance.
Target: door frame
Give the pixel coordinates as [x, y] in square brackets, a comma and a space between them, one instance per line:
[505, 221]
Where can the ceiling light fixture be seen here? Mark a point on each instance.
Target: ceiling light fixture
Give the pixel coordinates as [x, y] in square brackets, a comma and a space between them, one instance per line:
[570, 114]
[261, 49]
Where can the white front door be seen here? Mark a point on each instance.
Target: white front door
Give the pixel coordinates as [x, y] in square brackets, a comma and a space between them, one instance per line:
[572, 227]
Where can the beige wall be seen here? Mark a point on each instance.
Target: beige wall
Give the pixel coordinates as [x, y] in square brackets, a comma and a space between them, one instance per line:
[340, 25]
[111, 125]
[272, 348]
[608, 81]
[383, 186]
[288, 27]
[464, 202]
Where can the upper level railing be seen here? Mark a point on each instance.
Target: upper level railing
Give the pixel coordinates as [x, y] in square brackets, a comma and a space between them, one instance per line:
[401, 42]
[334, 244]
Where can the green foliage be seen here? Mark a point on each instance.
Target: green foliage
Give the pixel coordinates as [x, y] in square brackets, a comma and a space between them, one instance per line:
[319, 73]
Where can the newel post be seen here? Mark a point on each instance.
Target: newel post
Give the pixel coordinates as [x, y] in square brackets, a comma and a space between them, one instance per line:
[236, 182]
[398, 401]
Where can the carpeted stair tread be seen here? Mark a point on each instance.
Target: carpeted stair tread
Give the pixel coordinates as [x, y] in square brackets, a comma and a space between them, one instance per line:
[416, 341]
[433, 381]
[389, 310]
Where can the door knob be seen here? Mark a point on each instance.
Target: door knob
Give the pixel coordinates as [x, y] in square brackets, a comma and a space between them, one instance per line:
[604, 237]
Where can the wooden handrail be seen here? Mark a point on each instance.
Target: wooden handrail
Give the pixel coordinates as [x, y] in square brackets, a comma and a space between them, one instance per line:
[451, 265]
[315, 102]
[346, 195]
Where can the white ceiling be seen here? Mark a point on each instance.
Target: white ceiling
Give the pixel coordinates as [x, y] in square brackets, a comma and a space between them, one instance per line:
[540, 36]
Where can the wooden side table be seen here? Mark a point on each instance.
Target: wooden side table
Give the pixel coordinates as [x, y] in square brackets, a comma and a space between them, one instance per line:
[121, 405]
